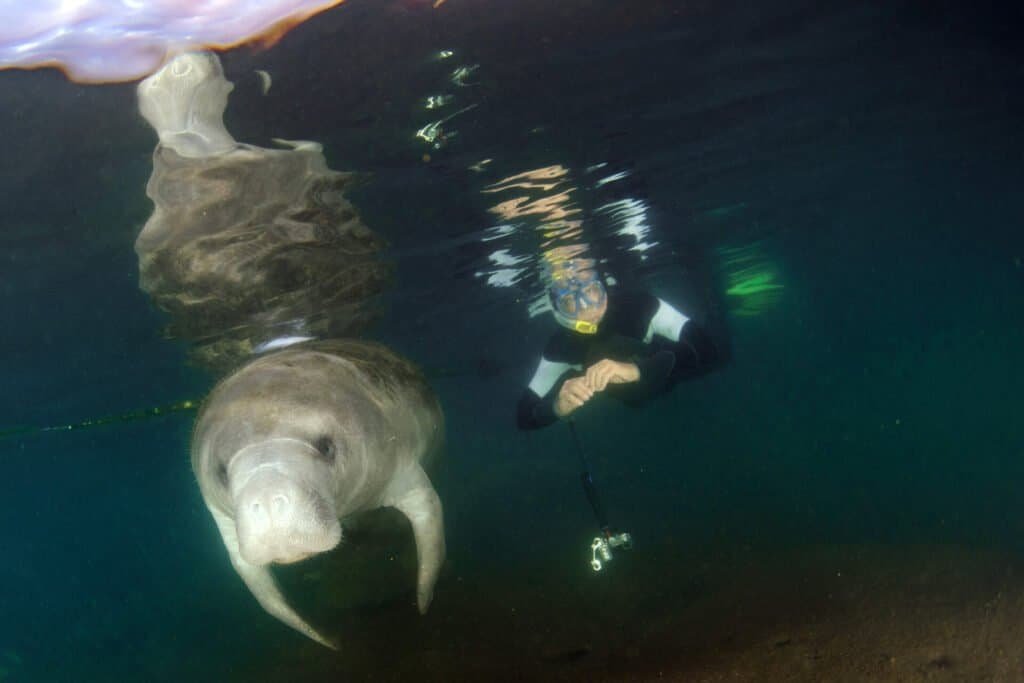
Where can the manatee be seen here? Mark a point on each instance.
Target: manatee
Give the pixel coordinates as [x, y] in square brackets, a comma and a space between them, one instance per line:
[288, 446]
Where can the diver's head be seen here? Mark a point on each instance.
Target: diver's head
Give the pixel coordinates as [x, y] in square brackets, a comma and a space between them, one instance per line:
[578, 300]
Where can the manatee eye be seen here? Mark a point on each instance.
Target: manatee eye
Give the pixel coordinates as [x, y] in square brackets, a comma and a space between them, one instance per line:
[325, 445]
[222, 475]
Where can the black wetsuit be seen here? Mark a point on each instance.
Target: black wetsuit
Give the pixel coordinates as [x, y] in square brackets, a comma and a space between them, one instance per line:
[630, 318]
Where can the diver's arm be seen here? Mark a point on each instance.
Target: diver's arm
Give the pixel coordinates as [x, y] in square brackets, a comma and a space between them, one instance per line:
[534, 412]
[680, 349]
[536, 407]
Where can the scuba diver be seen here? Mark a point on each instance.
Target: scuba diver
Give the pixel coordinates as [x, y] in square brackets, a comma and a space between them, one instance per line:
[630, 346]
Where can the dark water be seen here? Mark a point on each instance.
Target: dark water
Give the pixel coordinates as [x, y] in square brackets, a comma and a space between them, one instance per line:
[867, 155]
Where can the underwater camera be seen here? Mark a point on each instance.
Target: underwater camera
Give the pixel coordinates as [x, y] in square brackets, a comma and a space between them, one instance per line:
[601, 548]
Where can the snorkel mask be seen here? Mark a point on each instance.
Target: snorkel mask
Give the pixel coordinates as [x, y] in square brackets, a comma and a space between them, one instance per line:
[573, 293]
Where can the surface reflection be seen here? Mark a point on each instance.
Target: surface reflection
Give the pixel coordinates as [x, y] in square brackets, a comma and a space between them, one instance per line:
[247, 248]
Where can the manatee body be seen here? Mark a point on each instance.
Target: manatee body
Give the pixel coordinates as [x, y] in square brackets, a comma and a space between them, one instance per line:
[297, 440]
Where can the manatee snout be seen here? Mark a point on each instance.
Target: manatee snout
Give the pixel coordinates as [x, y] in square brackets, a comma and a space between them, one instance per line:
[280, 515]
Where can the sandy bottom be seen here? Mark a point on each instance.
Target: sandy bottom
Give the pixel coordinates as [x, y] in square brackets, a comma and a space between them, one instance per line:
[846, 613]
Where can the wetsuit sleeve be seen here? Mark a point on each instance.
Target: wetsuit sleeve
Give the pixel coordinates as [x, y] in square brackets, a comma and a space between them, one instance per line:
[536, 407]
[679, 349]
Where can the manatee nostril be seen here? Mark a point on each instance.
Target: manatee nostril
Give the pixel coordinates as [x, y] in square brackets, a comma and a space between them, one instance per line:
[325, 446]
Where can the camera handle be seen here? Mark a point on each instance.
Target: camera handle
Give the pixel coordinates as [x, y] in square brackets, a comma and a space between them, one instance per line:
[601, 546]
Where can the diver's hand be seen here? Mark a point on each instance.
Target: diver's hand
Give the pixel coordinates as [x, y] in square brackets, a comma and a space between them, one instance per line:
[574, 393]
[607, 371]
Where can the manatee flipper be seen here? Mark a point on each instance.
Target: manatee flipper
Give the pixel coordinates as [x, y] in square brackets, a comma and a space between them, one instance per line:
[261, 583]
[416, 498]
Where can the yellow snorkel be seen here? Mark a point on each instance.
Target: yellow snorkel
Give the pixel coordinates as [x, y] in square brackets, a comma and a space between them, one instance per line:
[583, 327]
[580, 326]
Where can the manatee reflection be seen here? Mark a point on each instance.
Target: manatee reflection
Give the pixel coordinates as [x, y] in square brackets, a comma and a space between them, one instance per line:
[247, 247]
